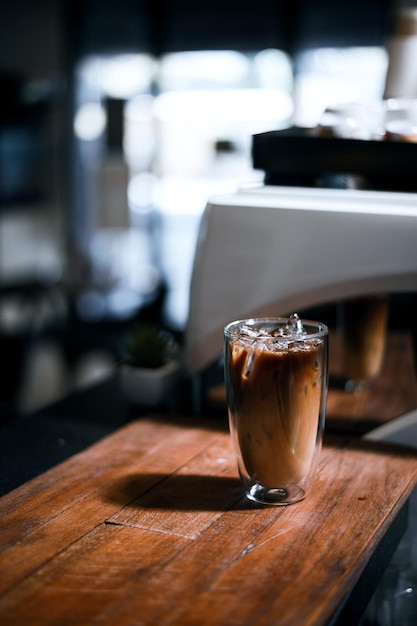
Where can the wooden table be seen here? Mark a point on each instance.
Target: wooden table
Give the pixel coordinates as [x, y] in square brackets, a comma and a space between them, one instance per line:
[149, 526]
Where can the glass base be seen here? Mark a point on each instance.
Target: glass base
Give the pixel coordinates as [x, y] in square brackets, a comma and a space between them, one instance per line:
[278, 496]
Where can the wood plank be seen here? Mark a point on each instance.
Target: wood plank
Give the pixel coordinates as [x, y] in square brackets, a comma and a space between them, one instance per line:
[326, 534]
[267, 556]
[177, 549]
[58, 507]
[90, 578]
[191, 499]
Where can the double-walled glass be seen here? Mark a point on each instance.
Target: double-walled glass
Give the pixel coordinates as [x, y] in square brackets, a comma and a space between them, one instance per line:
[276, 373]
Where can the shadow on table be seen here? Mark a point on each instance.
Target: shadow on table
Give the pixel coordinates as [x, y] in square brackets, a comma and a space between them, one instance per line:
[180, 492]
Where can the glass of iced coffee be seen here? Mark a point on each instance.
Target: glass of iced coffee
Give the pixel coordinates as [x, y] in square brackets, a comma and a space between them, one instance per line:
[276, 373]
[363, 324]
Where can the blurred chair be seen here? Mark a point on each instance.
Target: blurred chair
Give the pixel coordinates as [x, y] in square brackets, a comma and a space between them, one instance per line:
[277, 250]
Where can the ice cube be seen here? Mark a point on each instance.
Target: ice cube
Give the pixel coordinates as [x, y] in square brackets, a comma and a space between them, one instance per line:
[293, 329]
[248, 331]
[295, 325]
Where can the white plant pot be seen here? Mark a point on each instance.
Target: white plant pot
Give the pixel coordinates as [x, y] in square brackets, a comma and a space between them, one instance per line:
[149, 387]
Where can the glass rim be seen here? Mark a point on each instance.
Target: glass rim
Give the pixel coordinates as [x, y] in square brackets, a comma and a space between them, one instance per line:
[321, 329]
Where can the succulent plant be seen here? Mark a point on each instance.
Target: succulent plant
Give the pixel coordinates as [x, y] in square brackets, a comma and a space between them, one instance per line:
[149, 346]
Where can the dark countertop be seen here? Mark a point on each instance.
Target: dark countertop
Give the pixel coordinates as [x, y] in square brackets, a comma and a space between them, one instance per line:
[33, 443]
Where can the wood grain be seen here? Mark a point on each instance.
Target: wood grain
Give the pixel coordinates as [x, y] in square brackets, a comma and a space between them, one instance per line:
[48, 508]
[150, 526]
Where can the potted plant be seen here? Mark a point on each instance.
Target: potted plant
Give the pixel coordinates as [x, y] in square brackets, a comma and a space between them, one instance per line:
[150, 367]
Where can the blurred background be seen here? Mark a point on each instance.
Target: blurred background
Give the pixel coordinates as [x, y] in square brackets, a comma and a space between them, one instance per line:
[118, 119]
